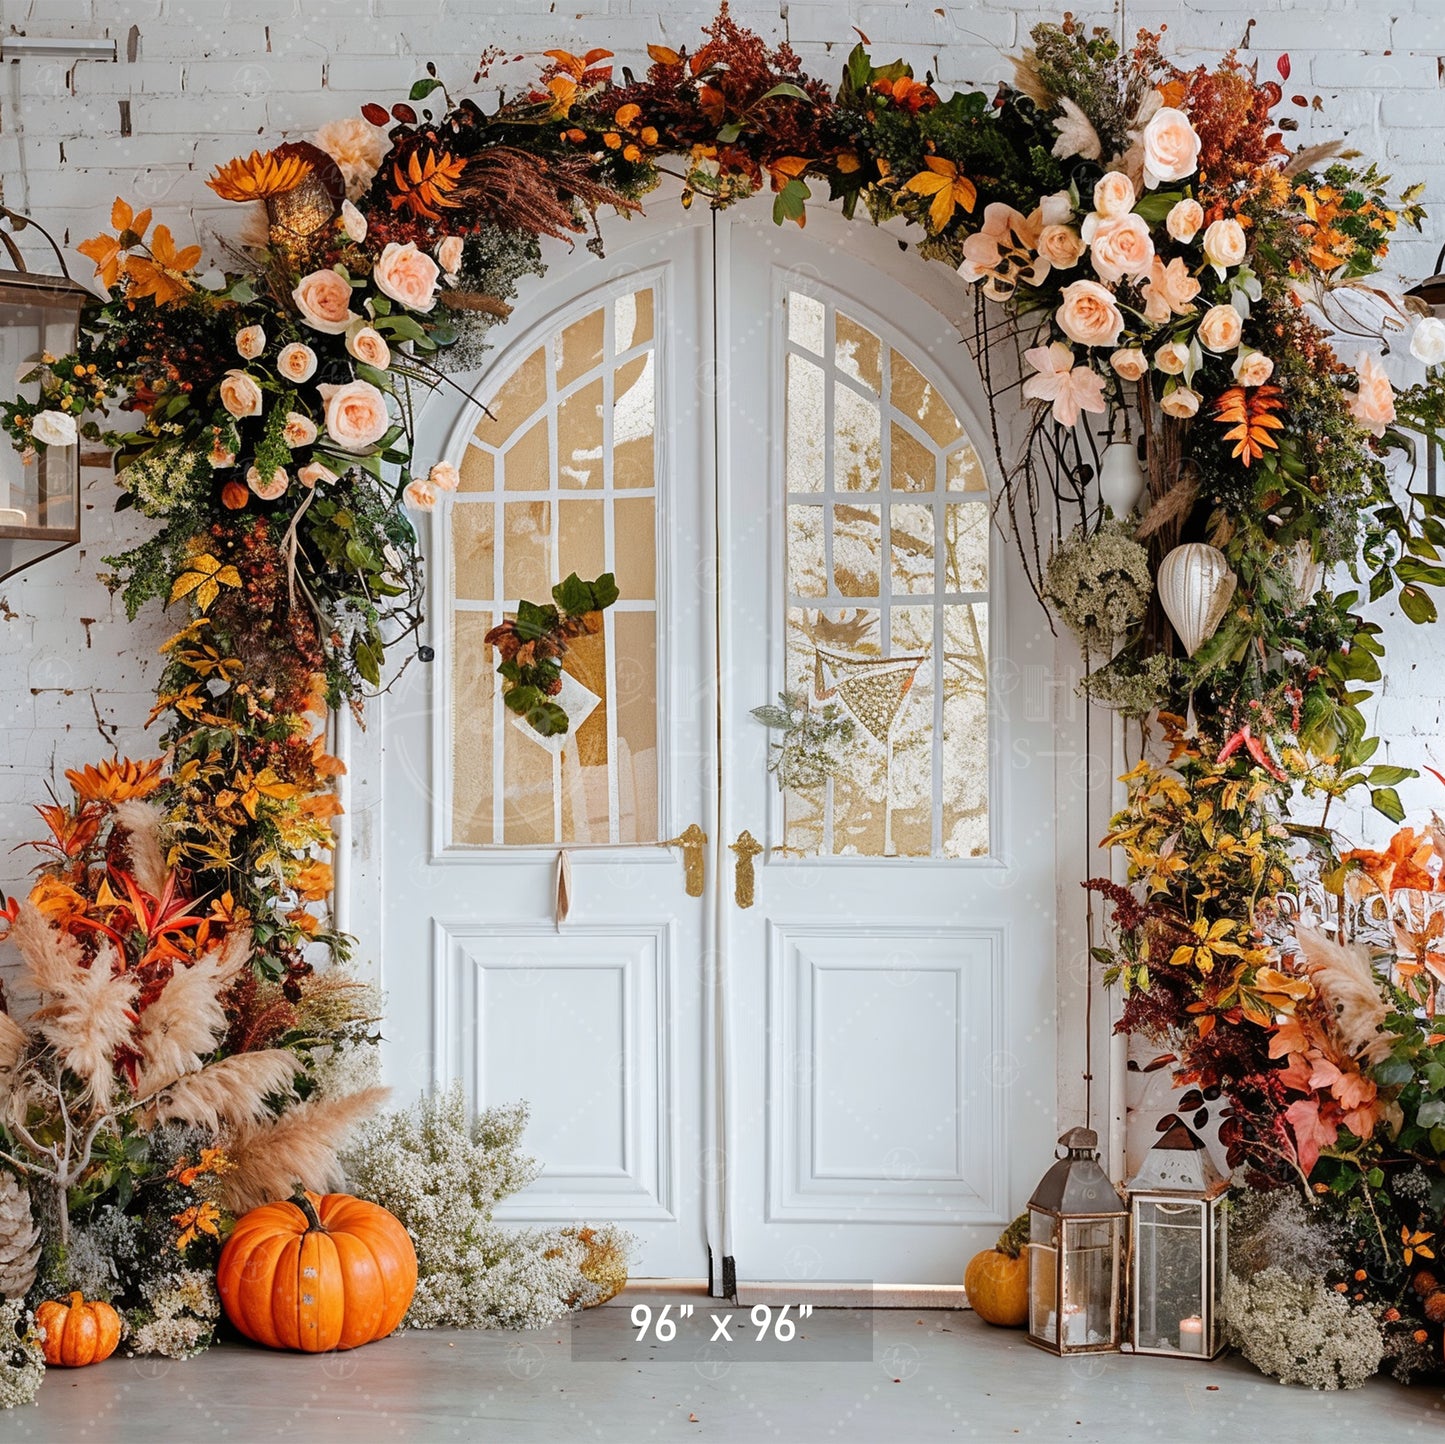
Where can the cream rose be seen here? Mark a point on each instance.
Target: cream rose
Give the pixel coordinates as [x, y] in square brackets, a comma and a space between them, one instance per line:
[1172, 357]
[407, 275]
[1252, 368]
[221, 455]
[297, 362]
[1171, 147]
[324, 300]
[420, 494]
[1114, 195]
[53, 428]
[1129, 363]
[314, 473]
[1373, 404]
[1120, 247]
[449, 255]
[1184, 220]
[1088, 314]
[1224, 244]
[353, 223]
[1181, 402]
[368, 345]
[1061, 246]
[299, 430]
[250, 342]
[1220, 329]
[444, 476]
[240, 394]
[268, 490]
[1427, 343]
[356, 416]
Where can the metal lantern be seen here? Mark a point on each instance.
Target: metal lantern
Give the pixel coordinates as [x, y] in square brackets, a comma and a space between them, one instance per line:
[1179, 1251]
[1076, 1252]
[39, 493]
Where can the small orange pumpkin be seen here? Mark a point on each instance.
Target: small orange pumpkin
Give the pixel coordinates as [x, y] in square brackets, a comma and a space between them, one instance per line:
[78, 1333]
[997, 1280]
[317, 1273]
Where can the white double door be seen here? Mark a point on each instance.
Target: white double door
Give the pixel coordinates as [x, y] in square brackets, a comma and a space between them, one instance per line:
[765, 435]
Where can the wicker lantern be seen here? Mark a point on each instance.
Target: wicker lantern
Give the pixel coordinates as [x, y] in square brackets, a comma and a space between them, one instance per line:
[1179, 1249]
[1076, 1253]
[39, 491]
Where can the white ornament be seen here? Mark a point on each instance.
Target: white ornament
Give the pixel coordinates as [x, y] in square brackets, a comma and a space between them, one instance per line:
[1195, 588]
[1121, 478]
[1304, 571]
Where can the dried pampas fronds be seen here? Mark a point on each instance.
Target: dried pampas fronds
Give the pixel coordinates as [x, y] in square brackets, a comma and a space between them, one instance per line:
[141, 822]
[270, 1158]
[1077, 135]
[1307, 157]
[188, 1020]
[1028, 80]
[232, 1091]
[1346, 983]
[1172, 507]
[13, 1042]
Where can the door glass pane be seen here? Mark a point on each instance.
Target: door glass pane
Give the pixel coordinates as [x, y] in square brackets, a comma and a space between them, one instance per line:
[560, 477]
[887, 598]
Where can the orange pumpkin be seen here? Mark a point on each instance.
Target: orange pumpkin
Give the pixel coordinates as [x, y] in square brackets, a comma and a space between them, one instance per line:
[78, 1333]
[997, 1280]
[317, 1273]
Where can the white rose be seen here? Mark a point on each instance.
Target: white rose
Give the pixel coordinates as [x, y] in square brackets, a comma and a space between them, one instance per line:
[1181, 402]
[449, 255]
[368, 345]
[240, 394]
[299, 430]
[1114, 195]
[250, 342]
[53, 428]
[353, 223]
[1225, 244]
[1220, 329]
[1171, 147]
[1184, 220]
[1428, 342]
[1130, 363]
[1172, 358]
[444, 476]
[297, 362]
[1252, 368]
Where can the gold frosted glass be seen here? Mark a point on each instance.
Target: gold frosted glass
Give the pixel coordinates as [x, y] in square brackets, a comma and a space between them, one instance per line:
[855, 550]
[473, 550]
[909, 769]
[518, 399]
[807, 567]
[964, 753]
[857, 352]
[965, 471]
[529, 799]
[805, 322]
[579, 439]
[913, 465]
[915, 397]
[634, 421]
[527, 466]
[579, 348]
[857, 450]
[634, 544]
[805, 426]
[966, 546]
[478, 470]
[527, 551]
[581, 542]
[473, 681]
[632, 320]
[635, 635]
[911, 543]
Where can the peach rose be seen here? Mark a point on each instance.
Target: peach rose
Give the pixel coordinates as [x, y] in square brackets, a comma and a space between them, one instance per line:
[1253, 368]
[1061, 246]
[1172, 357]
[1180, 402]
[324, 300]
[240, 394]
[314, 473]
[444, 476]
[1114, 195]
[250, 342]
[407, 275]
[356, 415]
[1119, 247]
[1088, 314]
[299, 430]
[1129, 363]
[367, 345]
[1184, 220]
[353, 223]
[1373, 404]
[1169, 291]
[297, 362]
[449, 255]
[420, 494]
[1220, 329]
[221, 455]
[271, 489]
[1224, 244]
[1171, 147]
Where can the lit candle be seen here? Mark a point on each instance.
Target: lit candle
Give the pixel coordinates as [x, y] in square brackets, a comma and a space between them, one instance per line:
[1191, 1335]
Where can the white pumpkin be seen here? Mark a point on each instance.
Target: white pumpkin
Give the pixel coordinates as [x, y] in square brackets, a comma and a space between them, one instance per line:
[1195, 588]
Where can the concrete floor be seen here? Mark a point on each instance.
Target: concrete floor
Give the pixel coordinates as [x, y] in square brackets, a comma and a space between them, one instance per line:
[933, 1375]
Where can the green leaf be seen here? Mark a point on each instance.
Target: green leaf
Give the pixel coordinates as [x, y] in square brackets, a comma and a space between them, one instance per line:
[604, 591]
[1431, 1113]
[422, 88]
[535, 622]
[1417, 605]
[786, 90]
[1437, 1140]
[730, 132]
[547, 719]
[573, 596]
[1387, 801]
[1393, 1071]
[1387, 776]
[1409, 569]
[1155, 207]
[525, 699]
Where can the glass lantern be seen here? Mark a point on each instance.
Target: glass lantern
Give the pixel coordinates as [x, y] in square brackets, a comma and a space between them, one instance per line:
[1179, 1254]
[1076, 1252]
[39, 495]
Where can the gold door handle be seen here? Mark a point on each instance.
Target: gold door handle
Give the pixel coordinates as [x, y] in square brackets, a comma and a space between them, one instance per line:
[746, 848]
[691, 841]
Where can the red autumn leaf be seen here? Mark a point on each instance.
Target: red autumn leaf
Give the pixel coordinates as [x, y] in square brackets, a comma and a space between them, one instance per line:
[404, 113]
[1311, 1132]
[375, 113]
[1282, 65]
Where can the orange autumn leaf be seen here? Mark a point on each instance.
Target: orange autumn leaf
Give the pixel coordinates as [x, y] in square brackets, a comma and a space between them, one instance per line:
[314, 882]
[946, 186]
[71, 833]
[576, 65]
[425, 185]
[162, 274]
[117, 780]
[663, 55]
[259, 175]
[56, 901]
[1249, 412]
[108, 252]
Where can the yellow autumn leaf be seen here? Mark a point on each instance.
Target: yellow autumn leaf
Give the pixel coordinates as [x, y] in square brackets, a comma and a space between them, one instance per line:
[948, 188]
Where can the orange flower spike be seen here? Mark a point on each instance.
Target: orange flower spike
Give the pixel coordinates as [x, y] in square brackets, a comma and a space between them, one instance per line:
[117, 780]
[258, 176]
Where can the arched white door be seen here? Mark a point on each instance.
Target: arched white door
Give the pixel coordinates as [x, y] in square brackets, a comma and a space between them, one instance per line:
[766, 436]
